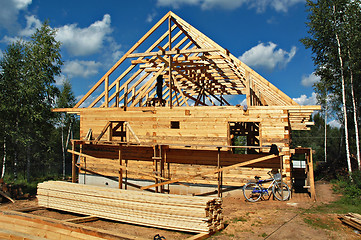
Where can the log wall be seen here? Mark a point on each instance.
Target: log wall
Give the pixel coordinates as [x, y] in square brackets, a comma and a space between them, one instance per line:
[197, 126]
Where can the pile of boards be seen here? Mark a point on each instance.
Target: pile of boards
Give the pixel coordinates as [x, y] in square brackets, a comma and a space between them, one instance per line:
[168, 211]
[351, 219]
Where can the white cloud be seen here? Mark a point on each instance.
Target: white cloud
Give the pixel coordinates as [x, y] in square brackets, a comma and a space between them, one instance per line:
[278, 5]
[334, 123]
[84, 41]
[150, 17]
[9, 40]
[259, 5]
[304, 100]
[80, 68]
[88, 101]
[244, 102]
[266, 56]
[32, 23]
[59, 80]
[309, 80]
[9, 11]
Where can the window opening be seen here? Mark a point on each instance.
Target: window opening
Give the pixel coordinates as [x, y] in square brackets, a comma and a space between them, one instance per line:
[244, 134]
[174, 125]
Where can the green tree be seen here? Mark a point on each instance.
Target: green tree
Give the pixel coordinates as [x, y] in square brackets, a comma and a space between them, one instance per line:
[43, 65]
[65, 99]
[334, 38]
[11, 85]
[28, 93]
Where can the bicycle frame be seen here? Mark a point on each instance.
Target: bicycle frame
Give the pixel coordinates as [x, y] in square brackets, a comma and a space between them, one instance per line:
[264, 191]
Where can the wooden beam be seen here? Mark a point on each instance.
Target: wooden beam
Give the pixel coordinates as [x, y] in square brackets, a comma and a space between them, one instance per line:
[170, 63]
[173, 52]
[213, 171]
[6, 196]
[111, 70]
[82, 219]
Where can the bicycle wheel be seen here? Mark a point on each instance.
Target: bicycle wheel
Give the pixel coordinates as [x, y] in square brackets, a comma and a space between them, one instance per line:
[281, 188]
[252, 192]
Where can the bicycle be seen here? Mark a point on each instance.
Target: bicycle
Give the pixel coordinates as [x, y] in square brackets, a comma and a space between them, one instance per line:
[253, 191]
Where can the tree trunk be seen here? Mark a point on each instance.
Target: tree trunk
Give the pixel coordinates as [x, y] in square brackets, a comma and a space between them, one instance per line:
[69, 135]
[4, 159]
[28, 163]
[344, 110]
[16, 153]
[355, 115]
[326, 131]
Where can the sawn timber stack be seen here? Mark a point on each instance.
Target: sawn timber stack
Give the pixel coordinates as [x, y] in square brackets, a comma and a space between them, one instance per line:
[168, 211]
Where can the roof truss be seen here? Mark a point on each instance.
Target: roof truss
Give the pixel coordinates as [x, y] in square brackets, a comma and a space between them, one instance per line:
[196, 71]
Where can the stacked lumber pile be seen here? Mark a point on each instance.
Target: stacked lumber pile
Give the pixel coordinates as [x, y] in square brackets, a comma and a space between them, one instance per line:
[168, 211]
[351, 219]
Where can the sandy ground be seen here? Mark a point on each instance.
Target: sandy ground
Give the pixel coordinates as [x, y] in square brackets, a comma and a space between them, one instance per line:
[267, 219]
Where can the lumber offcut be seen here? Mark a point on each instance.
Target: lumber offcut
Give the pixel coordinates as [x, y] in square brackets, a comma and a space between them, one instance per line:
[168, 211]
[351, 219]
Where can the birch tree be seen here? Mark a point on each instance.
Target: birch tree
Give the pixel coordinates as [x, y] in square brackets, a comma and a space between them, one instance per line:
[334, 30]
[66, 99]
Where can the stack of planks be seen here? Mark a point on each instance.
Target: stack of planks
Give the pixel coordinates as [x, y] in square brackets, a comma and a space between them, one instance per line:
[351, 219]
[168, 211]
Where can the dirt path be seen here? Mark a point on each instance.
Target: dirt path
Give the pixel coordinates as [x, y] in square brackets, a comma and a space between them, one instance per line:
[283, 220]
[267, 219]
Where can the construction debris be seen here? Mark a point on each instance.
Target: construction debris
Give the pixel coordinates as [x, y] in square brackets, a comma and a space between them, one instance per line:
[168, 211]
[11, 192]
[351, 219]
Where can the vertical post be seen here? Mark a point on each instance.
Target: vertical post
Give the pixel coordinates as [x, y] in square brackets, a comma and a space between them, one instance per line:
[168, 166]
[312, 179]
[155, 167]
[170, 62]
[161, 167]
[120, 169]
[81, 151]
[117, 95]
[248, 89]
[126, 175]
[219, 190]
[133, 95]
[73, 166]
[106, 91]
[281, 170]
[126, 98]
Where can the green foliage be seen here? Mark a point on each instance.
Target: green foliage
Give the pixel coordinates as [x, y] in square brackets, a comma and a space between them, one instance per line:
[350, 189]
[335, 33]
[315, 139]
[28, 127]
[239, 219]
[317, 222]
[263, 235]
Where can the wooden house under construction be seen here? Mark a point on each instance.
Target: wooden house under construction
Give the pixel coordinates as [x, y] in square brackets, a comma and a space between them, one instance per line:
[161, 117]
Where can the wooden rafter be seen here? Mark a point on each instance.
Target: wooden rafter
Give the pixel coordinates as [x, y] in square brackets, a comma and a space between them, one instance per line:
[195, 69]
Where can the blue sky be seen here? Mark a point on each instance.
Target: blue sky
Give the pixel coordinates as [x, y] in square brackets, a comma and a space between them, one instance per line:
[264, 34]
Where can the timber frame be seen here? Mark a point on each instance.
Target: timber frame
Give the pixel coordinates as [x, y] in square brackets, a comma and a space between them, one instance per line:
[129, 130]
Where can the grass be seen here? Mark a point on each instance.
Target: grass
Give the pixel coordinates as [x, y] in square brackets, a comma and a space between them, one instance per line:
[238, 219]
[316, 222]
[350, 201]
[263, 235]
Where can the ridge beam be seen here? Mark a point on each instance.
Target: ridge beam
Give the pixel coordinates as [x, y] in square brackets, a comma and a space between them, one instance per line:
[173, 52]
